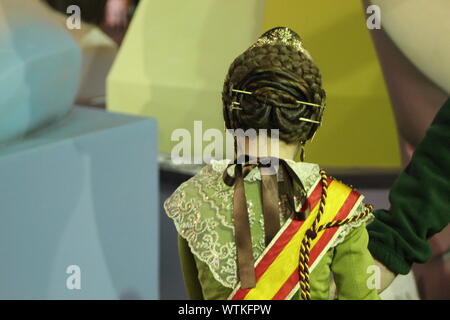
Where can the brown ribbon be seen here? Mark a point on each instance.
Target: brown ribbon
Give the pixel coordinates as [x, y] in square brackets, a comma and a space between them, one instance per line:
[271, 212]
[271, 209]
[242, 232]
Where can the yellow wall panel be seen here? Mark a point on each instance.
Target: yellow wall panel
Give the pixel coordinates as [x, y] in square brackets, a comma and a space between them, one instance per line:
[358, 128]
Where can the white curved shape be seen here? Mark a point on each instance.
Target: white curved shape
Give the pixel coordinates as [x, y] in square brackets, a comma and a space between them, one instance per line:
[421, 30]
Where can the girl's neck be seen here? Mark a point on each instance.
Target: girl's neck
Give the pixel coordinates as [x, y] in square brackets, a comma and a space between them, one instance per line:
[267, 147]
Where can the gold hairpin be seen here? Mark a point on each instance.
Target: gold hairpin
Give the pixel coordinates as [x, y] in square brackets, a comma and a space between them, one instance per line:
[241, 91]
[310, 104]
[309, 120]
[297, 101]
[235, 103]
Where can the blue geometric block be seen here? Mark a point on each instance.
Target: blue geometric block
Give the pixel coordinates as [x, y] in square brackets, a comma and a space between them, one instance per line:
[85, 194]
[40, 67]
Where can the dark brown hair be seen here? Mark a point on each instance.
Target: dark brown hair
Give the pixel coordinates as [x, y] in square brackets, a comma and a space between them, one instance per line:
[277, 74]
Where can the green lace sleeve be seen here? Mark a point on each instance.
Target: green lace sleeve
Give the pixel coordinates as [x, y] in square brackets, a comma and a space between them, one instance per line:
[189, 269]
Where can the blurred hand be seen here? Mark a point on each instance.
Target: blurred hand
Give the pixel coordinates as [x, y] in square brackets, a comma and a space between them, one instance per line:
[387, 276]
[116, 13]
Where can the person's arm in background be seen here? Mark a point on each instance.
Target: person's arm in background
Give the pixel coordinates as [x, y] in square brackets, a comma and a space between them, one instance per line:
[116, 13]
[415, 101]
[420, 202]
[190, 272]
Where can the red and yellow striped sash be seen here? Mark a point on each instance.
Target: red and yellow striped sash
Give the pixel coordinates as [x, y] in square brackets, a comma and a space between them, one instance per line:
[277, 274]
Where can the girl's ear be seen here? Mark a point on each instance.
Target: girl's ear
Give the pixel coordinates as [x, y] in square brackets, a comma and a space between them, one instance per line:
[300, 152]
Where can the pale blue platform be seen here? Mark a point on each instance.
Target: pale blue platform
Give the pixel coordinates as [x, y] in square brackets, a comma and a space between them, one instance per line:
[85, 193]
[40, 67]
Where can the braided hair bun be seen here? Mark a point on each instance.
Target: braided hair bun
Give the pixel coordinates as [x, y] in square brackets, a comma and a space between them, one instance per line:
[278, 72]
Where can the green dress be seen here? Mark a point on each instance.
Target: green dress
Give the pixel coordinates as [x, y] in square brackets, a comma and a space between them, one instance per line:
[201, 209]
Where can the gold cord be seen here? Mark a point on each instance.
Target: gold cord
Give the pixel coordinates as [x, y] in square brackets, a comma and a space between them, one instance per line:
[312, 232]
